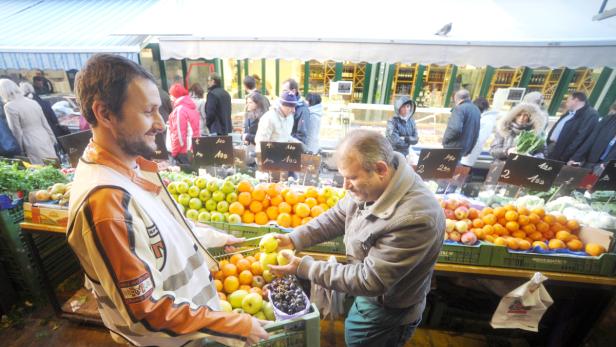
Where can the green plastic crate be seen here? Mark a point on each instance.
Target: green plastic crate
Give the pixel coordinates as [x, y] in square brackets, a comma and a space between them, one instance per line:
[604, 265]
[480, 254]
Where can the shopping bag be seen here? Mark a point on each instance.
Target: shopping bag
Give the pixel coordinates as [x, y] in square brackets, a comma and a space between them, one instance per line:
[329, 302]
[523, 307]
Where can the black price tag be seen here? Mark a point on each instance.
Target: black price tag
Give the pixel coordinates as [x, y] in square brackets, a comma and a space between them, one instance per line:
[570, 177]
[161, 149]
[213, 151]
[494, 172]
[435, 163]
[74, 145]
[281, 156]
[530, 172]
[311, 165]
[607, 180]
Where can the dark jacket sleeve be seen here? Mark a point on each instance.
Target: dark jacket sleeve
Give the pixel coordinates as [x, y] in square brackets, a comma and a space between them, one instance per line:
[497, 149]
[586, 128]
[301, 132]
[581, 155]
[454, 127]
[393, 135]
[414, 138]
[211, 105]
[252, 131]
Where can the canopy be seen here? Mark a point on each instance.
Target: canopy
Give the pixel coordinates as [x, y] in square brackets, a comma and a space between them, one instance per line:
[55, 34]
[484, 32]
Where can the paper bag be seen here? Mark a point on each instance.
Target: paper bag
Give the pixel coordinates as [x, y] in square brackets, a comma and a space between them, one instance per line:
[329, 302]
[523, 307]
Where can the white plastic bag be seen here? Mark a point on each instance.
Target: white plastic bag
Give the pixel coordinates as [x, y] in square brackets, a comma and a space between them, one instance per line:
[329, 302]
[523, 307]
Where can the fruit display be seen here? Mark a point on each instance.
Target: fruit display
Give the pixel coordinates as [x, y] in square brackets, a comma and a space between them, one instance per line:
[287, 295]
[58, 192]
[239, 200]
[459, 222]
[16, 181]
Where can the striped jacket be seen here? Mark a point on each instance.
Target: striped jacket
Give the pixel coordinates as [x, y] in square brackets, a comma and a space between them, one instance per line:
[147, 266]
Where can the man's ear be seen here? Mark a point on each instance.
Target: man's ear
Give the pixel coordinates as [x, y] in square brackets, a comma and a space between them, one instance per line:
[382, 169]
[102, 113]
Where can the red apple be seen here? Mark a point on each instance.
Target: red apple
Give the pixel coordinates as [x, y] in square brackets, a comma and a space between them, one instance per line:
[449, 214]
[461, 227]
[461, 213]
[473, 213]
[454, 236]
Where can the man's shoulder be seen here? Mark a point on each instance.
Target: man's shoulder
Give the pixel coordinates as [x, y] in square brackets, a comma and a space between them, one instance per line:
[106, 203]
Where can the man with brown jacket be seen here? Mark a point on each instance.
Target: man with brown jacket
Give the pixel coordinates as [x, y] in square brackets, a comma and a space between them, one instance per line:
[393, 230]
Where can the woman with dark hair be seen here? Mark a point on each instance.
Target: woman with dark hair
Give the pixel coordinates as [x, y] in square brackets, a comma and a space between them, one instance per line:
[196, 94]
[255, 108]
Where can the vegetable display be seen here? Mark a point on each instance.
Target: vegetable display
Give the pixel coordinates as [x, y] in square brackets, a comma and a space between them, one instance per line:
[528, 142]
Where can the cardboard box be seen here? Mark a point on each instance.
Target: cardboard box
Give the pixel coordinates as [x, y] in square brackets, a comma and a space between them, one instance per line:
[50, 214]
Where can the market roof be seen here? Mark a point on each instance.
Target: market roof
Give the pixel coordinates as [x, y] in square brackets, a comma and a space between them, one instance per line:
[484, 32]
[55, 34]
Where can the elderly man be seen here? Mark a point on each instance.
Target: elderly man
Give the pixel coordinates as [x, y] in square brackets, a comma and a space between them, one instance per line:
[393, 231]
[463, 125]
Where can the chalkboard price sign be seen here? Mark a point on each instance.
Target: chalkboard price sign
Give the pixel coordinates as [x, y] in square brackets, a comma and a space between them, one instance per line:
[281, 156]
[437, 163]
[607, 180]
[530, 172]
[213, 151]
[494, 172]
[75, 144]
[570, 177]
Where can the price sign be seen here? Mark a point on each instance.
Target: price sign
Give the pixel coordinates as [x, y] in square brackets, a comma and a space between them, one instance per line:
[213, 151]
[529, 172]
[607, 180]
[281, 156]
[74, 145]
[310, 167]
[435, 163]
[161, 149]
[494, 172]
[570, 177]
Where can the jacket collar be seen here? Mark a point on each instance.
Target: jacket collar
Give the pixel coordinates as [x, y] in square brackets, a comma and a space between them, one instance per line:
[399, 185]
[94, 153]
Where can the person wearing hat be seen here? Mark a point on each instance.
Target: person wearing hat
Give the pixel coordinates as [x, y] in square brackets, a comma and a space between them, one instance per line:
[401, 128]
[276, 124]
[183, 124]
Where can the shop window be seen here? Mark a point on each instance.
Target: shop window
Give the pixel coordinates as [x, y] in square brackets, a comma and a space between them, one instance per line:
[146, 57]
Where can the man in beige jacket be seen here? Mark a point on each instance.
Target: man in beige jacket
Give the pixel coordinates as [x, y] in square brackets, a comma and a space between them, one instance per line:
[393, 231]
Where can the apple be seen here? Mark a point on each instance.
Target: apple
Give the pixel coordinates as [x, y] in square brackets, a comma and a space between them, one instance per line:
[226, 215]
[235, 298]
[268, 276]
[234, 218]
[42, 195]
[202, 209]
[212, 185]
[222, 206]
[449, 214]
[204, 217]
[268, 259]
[218, 196]
[469, 238]
[217, 217]
[252, 303]
[195, 203]
[461, 212]
[454, 236]
[259, 315]
[227, 187]
[194, 191]
[268, 243]
[201, 182]
[231, 197]
[225, 306]
[205, 195]
[56, 196]
[285, 256]
[461, 226]
[192, 214]
[172, 187]
[450, 225]
[210, 205]
[182, 187]
[268, 310]
[332, 201]
[238, 310]
[175, 197]
[328, 191]
[184, 199]
[258, 281]
[58, 188]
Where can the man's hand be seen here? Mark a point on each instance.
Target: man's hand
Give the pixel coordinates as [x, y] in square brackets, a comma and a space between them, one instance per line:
[511, 150]
[257, 333]
[573, 163]
[289, 269]
[284, 241]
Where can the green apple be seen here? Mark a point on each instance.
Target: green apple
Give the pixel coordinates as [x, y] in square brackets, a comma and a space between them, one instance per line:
[225, 306]
[332, 201]
[188, 181]
[328, 191]
[192, 214]
[217, 217]
[268, 243]
[222, 207]
[204, 217]
[172, 187]
[226, 215]
[268, 310]
[182, 187]
[175, 197]
[205, 195]
[218, 196]
[184, 199]
[193, 191]
[234, 218]
[238, 310]
[268, 259]
[235, 298]
[227, 187]
[201, 182]
[258, 281]
[210, 205]
[268, 276]
[231, 197]
[212, 185]
[284, 256]
[202, 209]
[259, 315]
[195, 203]
[252, 303]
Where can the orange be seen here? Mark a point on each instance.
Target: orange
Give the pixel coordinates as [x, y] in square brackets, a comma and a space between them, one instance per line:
[306, 220]
[550, 219]
[301, 197]
[561, 219]
[248, 217]
[573, 225]
[523, 211]
[256, 206]
[549, 234]
[222, 296]
[273, 190]
[502, 221]
[563, 235]
[244, 198]
[481, 235]
[258, 194]
[594, 249]
[321, 198]
[266, 203]
[284, 208]
[523, 245]
[291, 198]
[534, 218]
[486, 211]
[236, 207]
[246, 277]
[256, 268]
[235, 258]
[244, 186]
[523, 219]
[556, 244]
[275, 201]
[509, 207]
[257, 255]
[229, 270]
[218, 284]
[251, 259]
[473, 213]
[543, 227]
[512, 226]
[261, 218]
[245, 287]
[242, 265]
[296, 220]
[538, 211]
[311, 202]
[219, 275]
[284, 220]
[556, 227]
[512, 243]
[575, 245]
[272, 212]
[488, 229]
[499, 229]
[222, 263]
[490, 238]
[478, 223]
[511, 216]
[519, 234]
[499, 241]
[499, 212]
[316, 211]
[540, 244]
[536, 236]
[325, 207]
[302, 210]
[231, 284]
[312, 192]
[489, 219]
[529, 228]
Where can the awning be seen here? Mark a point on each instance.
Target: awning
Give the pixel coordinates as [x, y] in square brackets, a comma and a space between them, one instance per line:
[62, 35]
[484, 32]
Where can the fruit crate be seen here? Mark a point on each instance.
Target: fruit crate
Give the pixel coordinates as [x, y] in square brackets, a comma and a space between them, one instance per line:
[333, 246]
[480, 254]
[603, 265]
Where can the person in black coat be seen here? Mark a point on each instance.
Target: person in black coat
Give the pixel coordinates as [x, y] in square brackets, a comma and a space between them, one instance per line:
[572, 129]
[217, 107]
[50, 115]
[463, 126]
[401, 129]
[301, 117]
[600, 146]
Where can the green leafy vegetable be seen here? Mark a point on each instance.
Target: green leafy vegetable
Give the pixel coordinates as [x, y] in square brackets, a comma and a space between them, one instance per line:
[528, 143]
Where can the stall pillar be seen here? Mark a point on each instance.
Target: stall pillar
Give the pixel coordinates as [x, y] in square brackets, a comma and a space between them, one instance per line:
[561, 90]
[525, 79]
[240, 91]
[487, 81]
[389, 80]
[593, 98]
[368, 86]
[263, 62]
[306, 77]
[609, 97]
[450, 84]
[418, 80]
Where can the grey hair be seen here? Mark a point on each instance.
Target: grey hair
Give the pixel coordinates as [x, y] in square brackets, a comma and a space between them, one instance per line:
[368, 146]
[534, 98]
[462, 94]
[9, 90]
[27, 88]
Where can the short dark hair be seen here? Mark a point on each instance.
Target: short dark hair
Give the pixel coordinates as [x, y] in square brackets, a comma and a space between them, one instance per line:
[482, 103]
[250, 82]
[293, 85]
[216, 78]
[579, 96]
[197, 90]
[105, 77]
[313, 99]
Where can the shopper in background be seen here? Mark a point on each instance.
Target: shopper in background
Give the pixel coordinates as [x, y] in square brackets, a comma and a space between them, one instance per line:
[572, 129]
[218, 107]
[463, 126]
[27, 122]
[166, 106]
[255, 108]
[50, 115]
[196, 94]
[181, 127]
[277, 123]
[600, 146]
[393, 230]
[145, 263]
[537, 99]
[41, 84]
[401, 129]
[250, 86]
[180, 97]
[486, 128]
[522, 117]
[301, 114]
[314, 124]
[8, 144]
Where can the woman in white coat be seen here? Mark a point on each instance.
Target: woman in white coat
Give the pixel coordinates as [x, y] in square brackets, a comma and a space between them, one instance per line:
[27, 123]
